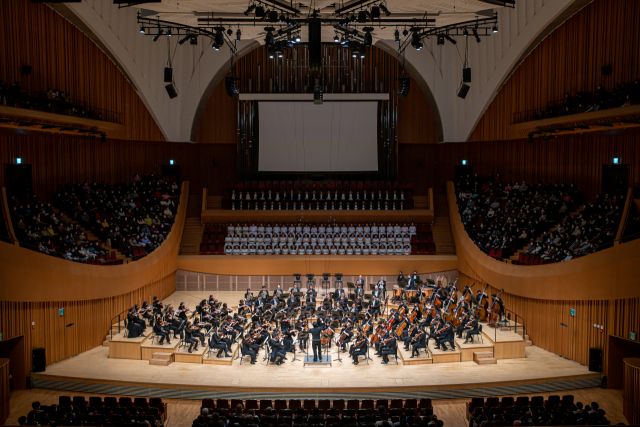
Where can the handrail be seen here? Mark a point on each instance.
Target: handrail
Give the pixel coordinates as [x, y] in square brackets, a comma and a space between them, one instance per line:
[119, 321]
[524, 331]
[625, 215]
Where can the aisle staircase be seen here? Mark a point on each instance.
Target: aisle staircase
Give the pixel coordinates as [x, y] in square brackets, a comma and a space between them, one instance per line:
[484, 358]
[442, 227]
[420, 202]
[191, 237]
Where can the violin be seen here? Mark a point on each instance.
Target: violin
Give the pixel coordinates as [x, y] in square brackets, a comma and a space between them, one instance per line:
[417, 337]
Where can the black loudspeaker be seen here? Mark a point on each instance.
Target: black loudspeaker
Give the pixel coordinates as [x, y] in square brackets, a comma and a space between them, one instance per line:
[606, 70]
[171, 90]
[232, 89]
[466, 75]
[464, 89]
[168, 74]
[26, 70]
[315, 44]
[595, 359]
[39, 359]
[403, 90]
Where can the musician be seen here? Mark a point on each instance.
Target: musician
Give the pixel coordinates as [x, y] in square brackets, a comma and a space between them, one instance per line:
[292, 299]
[311, 299]
[277, 292]
[274, 301]
[444, 336]
[248, 296]
[480, 294]
[400, 277]
[388, 347]
[472, 328]
[343, 300]
[134, 328]
[237, 324]
[360, 281]
[158, 306]
[278, 354]
[189, 338]
[182, 311]
[264, 293]
[137, 319]
[339, 291]
[383, 336]
[328, 301]
[161, 330]
[368, 324]
[311, 291]
[411, 284]
[374, 307]
[216, 341]
[464, 320]
[289, 336]
[418, 341]
[346, 334]
[353, 310]
[382, 287]
[249, 348]
[359, 348]
[498, 300]
[295, 288]
[145, 312]
[195, 330]
[359, 291]
[435, 325]
[174, 323]
[316, 341]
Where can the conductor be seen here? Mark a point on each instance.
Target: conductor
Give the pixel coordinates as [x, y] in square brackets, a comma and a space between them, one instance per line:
[316, 341]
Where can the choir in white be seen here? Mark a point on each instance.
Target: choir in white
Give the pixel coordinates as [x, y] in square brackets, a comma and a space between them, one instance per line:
[319, 239]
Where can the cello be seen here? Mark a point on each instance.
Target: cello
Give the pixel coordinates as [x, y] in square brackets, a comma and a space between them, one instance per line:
[482, 315]
[494, 311]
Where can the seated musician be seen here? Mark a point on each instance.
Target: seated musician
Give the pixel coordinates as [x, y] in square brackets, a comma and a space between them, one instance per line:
[435, 325]
[360, 281]
[161, 329]
[472, 328]
[277, 292]
[411, 284]
[400, 277]
[418, 341]
[278, 355]
[344, 300]
[359, 291]
[328, 301]
[383, 336]
[311, 291]
[368, 323]
[359, 348]
[249, 348]
[353, 310]
[216, 341]
[480, 294]
[464, 318]
[289, 335]
[348, 330]
[444, 336]
[339, 291]
[182, 311]
[133, 326]
[274, 301]
[295, 288]
[138, 317]
[376, 292]
[264, 293]
[190, 338]
[374, 307]
[292, 299]
[158, 306]
[388, 347]
[146, 312]
[196, 332]
[311, 299]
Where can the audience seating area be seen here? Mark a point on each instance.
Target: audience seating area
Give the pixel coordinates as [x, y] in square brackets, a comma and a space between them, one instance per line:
[331, 413]
[534, 411]
[52, 101]
[132, 217]
[622, 95]
[317, 239]
[503, 218]
[111, 411]
[326, 195]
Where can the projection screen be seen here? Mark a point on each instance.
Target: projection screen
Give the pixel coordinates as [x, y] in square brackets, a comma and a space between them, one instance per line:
[304, 137]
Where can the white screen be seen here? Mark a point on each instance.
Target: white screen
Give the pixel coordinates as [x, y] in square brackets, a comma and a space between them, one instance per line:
[330, 137]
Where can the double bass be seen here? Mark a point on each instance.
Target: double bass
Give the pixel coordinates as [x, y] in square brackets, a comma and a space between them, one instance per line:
[481, 310]
[494, 311]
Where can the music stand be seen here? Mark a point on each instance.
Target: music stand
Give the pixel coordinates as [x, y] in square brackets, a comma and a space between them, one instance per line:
[325, 281]
[296, 279]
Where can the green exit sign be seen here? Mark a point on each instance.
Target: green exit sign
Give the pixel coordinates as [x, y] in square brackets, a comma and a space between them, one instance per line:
[61, 312]
[572, 311]
[632, 336]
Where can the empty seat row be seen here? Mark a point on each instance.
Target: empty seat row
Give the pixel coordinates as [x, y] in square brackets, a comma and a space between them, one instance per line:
[520, 401]
[320, 186]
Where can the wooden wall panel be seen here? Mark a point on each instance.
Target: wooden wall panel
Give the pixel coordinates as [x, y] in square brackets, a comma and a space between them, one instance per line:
[219, 121]
[564, 160]
[569, 60]
[66, 59]
[90, 320]
[60, 160]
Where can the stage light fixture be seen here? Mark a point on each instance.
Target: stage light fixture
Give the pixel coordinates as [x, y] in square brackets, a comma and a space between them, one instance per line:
[384, 10]
[171, 161]
[368, 38]
[269, 37]
[464, 162]
[495, 29]
[415, 41]
[270, 50]
[169, 32]
[465, 32]
[157, 36]
[18, 160]
[194, 41]
[336, 38]
[375, 12]
[440, 39]
[142, 30]
[184, 39]
[475, 34]
[238, 35]
[218, 40]
[616, 160]
[352, 18]
[259, 11]
[405, 32]
[363, 49]
[250, 9]
[298, 38]
[451, 39]
[396, 36]
[230, 32]
[362, 16]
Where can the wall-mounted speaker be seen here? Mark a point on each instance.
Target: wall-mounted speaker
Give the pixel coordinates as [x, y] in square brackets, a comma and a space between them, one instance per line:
[168, 75]
[232, 88]
[405, 84]
[462, 92]
[171, 90]
[466, 75]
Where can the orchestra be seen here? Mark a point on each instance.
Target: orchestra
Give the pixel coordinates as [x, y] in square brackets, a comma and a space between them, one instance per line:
[281, 323]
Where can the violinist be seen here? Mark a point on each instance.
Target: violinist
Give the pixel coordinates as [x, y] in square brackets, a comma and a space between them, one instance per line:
[374, 307]
[382, 286]
[384, 335]
[435, 325]
[174, 324]
[158, 306]
[388, 347]
[160, 328]
[134, 328]
[181, 312]
[278, 355]
[472, 328]
[289, 335]
[445, 335]
[249, 348]
[195, 330]
[216, 341]
[145, 312]
[359, 347]
[408, 334]
[190, 338]
[465, 318]
[213, 303]
[237, 324]
[225, 310]
[137, 319]
[418, 341]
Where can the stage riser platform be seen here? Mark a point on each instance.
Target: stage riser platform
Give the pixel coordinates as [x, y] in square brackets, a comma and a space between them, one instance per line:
[428, 392]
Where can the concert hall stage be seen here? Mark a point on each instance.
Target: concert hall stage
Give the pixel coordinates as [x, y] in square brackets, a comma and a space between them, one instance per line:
[445, 374]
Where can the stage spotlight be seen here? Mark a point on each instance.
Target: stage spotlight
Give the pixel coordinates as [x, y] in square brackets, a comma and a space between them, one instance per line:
[336, 38]
[142, 30]
[440, 39]
[462, 92]
[362, 16]
[169, 32]
[249, 9]
[375, 12]
[238, 35]
[465, 32]
[363, 49]
[157, 36]
[384, 10]
[184, 39]
[405, 32]
[270, 50]
[396, 36]
[475, 34]
[298, 38]
[229, 32]
[352, 18]
[368, 38]
[194, 41]
[268, 38]
[495, 29]
[451, 39]
[415, 41]
[218, 40]
[259, 11]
